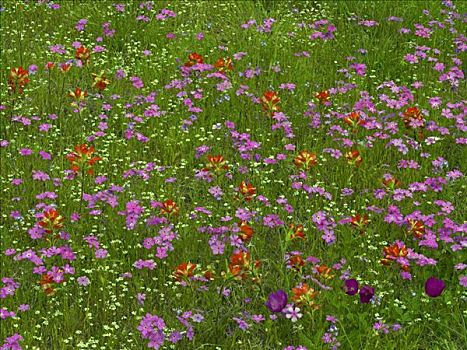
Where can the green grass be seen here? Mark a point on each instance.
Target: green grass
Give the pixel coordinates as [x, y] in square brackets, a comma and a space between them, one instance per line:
[106, 314]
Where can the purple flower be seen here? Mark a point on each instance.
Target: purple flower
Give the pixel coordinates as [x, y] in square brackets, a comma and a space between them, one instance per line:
[101, 253]
[23, 307]
[141, 297]
[434, 287]
[366, 293]
[351, 287]
[463, 281]
[83, 281]
[277, 301]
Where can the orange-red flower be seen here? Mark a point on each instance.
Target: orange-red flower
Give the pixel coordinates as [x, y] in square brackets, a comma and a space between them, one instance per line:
[194, 58]
[209, 275]
[49, 65]
[100, 81]
[83, 54]
[169, 208]
[391, 182]
[246, 232]
[18, 79]
[216, 163]
[247, 190]
[296, 262]
[353, 119]
[224, 64]
[413, 118]
[270, 101]
[305, 295]
[78, 94]
[305, 160]
[296, 232]
[354, 158]
[64, 67]
[324, 271]
[360, 222]
[184, 271]
[51, 221]
[416, 228]
[46, 283]
[394, 252]
[82, 158]
[241, 265]
[323, 96]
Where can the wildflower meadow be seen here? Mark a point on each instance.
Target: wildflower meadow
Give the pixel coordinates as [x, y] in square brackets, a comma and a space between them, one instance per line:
[233, 175]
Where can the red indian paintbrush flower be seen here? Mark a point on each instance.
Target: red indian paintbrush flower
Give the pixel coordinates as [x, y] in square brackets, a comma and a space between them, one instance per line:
[224, 64]
[296, 232]
[240, 265]
[305, 295]
[169, 208]
[323, 96]
[184, 271]
[83, 54]
[296, 262]
[354, 158]
[247, 190]
[395, 252]
[324, 271]
[46, 283]
[18, 79]
[82, 159]
[305, 160]
[416, 228]
[270, 101]
[100, 81]
[360, 222]
[49, 65]
[78, 94]
[413, 118]
[353, 119]
[209, 275]
[51, 221]
[391, 182]
[194, 58]
[216, 163]
[64, 67]
[246, 232]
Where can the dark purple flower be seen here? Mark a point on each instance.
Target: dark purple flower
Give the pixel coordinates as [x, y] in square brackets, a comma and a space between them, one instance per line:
[366, 293]
[351, 287]
[434, 287]
[277, 301]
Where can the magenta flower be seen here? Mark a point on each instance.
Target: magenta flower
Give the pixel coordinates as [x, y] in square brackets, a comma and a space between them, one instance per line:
[351, 287]
[366, 293]
[277, 301]
[434, 287]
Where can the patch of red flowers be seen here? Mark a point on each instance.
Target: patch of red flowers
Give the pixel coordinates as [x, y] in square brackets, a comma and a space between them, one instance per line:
[270, 101]
[18, 79]
[82, 159]
[51, 221]
[83, 54]
[169, 208]
[354, 158]
[224, 64]
[194, 58]
[247, 190]
[305, 160]
[323, 97]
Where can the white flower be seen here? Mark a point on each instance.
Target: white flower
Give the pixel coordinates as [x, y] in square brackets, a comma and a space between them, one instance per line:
[293, 313]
